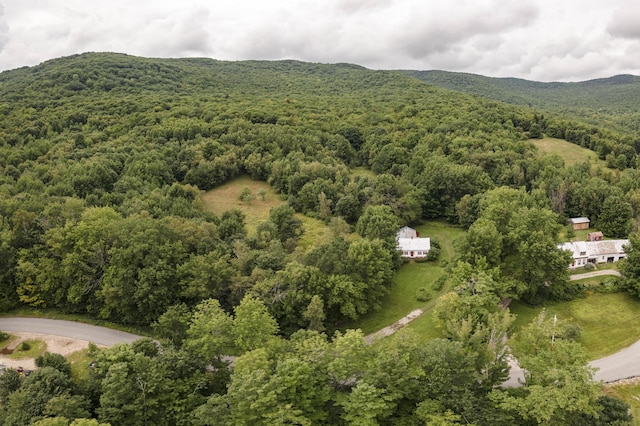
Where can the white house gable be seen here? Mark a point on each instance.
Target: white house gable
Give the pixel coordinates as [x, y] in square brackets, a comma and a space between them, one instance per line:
[410, 245]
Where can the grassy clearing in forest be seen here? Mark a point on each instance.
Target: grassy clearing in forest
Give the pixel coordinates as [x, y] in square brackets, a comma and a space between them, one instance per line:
[609, 322]
[226, 197]
[569, 152]
[402, 296]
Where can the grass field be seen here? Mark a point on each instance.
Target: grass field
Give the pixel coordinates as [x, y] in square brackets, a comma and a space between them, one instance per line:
[402, 297]
[569, 152]
[226, 197]
[609, 322]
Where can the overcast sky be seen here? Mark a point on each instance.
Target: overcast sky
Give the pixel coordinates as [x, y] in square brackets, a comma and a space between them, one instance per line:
[543, 40]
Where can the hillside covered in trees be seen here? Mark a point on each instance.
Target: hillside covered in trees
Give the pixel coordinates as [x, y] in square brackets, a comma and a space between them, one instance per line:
[104, 160]
[610, 100]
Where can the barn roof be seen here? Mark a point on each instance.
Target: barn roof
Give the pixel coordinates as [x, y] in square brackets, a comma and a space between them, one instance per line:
[576, 220]
[591, 249]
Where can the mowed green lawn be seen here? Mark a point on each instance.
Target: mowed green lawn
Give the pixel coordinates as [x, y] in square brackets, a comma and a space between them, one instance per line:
[569, 152]
[402, 296]
[609, 322]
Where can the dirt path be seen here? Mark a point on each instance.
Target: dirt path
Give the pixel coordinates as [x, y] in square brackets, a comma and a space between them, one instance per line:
[390, 329]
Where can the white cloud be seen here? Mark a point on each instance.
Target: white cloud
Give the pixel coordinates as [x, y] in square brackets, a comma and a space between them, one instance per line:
[625, 21]
[4, 29]
[542, 39]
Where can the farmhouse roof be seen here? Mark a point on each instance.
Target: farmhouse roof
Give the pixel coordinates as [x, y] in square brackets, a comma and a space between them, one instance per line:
[414, 244]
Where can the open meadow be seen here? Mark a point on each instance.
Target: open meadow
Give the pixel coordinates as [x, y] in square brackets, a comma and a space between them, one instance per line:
[263, 199]
[227, 196]
[570, 153]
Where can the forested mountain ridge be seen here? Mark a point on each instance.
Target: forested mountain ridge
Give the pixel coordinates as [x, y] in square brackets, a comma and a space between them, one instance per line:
[104, 158]
[124, 73]
[612, 100]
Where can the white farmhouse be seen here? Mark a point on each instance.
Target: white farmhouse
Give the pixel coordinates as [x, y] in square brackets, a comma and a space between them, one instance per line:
[605, 251]
[410, 245]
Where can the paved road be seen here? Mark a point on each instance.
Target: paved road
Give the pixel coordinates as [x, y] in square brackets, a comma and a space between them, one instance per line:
[621, 365]
[594, 274]
[624, 364]
[75, 330]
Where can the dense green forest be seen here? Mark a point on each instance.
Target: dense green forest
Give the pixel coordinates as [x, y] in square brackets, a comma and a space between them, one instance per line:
[610, 100]
[104, 158]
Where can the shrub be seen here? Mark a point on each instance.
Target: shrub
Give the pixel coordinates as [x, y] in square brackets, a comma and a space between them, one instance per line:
[24, 346]
[3, 336]
[434, 252]
[570, 291]
[246, 195]
[423, 294]
[439, 283]
[589, 266]
[571, 331]
[92, 349]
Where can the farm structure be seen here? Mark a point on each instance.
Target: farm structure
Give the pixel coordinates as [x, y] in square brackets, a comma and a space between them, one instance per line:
[595, 236]
[579, 223]
[605, 251]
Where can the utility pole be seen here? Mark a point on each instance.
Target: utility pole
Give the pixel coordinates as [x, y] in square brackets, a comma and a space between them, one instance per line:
[553, 333]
